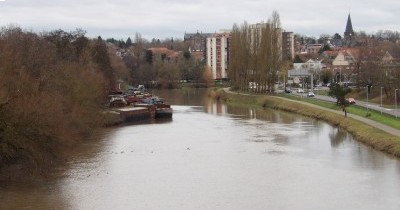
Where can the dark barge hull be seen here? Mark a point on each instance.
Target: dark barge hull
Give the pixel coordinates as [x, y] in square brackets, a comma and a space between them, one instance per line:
[163, 113]
[140, 112]
[132, 114]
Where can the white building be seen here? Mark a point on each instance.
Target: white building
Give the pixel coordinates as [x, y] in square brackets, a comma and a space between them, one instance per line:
[217, 54]
[312, 65]
[311, 68]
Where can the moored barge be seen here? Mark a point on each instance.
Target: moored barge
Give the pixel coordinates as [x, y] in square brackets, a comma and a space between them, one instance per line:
[139, 106]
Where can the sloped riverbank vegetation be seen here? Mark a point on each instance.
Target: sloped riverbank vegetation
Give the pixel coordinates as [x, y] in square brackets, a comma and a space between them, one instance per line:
[52, 89]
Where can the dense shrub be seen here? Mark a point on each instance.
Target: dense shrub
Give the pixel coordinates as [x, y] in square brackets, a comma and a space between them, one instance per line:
[52, 89]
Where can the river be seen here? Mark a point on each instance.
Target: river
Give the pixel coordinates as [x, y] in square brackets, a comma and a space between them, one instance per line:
[214, 156]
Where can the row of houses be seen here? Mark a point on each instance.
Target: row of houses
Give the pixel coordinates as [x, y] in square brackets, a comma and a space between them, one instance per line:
[341, 63]
[342, 60]
[344, 65]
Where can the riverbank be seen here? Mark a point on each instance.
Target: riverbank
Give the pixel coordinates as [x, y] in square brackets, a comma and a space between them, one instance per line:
[367, 134]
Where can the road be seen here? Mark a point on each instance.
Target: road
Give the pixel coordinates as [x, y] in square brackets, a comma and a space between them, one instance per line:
[375, 124]
[366, 105]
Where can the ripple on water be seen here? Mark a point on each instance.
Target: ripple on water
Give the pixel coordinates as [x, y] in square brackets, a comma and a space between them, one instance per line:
[264, 131]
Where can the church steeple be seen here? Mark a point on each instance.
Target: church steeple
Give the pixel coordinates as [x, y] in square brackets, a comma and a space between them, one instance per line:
[348, 33]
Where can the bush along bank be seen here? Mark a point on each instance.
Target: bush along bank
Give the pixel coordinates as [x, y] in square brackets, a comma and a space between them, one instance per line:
[364, 133]
[52, 89]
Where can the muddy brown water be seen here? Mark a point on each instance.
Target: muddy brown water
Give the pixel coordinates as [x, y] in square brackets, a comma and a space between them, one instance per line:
[213, 156]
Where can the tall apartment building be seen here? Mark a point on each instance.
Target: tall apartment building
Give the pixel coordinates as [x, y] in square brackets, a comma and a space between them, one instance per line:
[256, 31]
[288, 45]
[218, 54]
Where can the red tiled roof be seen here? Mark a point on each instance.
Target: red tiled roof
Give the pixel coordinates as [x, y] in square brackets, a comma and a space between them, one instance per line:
[166, 51]
[350, 51]
[198, 55]
[306, 57]
[331, 53]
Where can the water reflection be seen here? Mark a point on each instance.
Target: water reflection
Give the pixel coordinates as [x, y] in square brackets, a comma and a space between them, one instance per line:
[337, 136]
[216, 107]
[186, 96]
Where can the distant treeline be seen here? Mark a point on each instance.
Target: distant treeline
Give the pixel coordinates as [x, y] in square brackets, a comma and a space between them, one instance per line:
[52, 91]
[159, 64]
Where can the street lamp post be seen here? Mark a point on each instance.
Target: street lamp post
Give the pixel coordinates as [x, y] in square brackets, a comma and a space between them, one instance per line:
[395, 100]
[367, 98]
[381, 100]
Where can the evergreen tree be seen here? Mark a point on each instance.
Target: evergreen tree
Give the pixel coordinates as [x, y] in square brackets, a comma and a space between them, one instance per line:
[121, 44]
[339, 93]
[128, 42]
[325, 48]
[337, 36]
[187, 55]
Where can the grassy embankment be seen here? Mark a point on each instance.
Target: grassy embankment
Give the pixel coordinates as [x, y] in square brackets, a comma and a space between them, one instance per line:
[385, 119]
[367, 134]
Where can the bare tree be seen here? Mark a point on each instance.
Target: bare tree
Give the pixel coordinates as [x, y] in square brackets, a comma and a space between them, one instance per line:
[49, 98]
[256, 57]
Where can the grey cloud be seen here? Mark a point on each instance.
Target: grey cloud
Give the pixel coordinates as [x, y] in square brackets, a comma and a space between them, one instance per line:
[159, 18]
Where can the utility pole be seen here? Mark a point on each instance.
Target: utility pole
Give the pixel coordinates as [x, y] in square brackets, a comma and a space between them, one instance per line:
[367, 97]
[381, 100]
[395, 100]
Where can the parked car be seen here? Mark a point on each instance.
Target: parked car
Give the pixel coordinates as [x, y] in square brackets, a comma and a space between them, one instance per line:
[288, 91]
[300, 90]
[351, 101]
[310, 94]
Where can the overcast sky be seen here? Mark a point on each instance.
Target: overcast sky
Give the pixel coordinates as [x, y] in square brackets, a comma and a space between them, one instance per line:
[172, 18]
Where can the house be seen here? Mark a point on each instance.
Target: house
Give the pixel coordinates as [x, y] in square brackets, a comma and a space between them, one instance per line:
[196, 41]
[344, 66]
[328, 56]
[311, 49]
[390, 65]
[387, 58]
